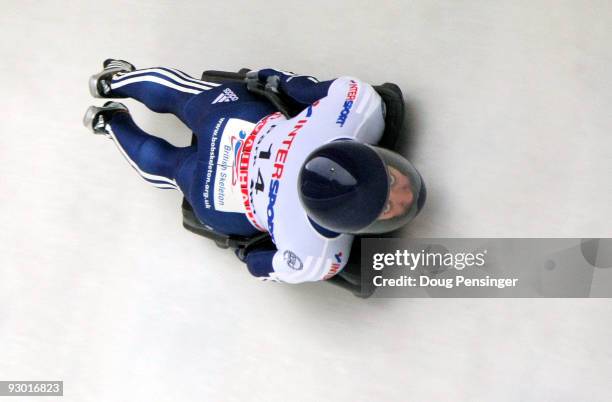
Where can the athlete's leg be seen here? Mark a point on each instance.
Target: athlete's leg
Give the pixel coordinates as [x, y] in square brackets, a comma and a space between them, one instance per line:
[156, 160]
[161, 89]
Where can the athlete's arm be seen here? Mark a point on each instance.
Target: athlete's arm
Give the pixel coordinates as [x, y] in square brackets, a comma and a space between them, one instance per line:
[359, 109]
[302, 89]
[354, 110]
[272, 265]
[286, 266]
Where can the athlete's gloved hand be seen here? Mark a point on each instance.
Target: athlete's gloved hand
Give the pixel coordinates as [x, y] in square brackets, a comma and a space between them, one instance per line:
[240, 253]
[270, 88]
[263, 79]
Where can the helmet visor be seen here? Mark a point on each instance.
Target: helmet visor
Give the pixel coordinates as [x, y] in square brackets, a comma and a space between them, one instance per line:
[405, 194]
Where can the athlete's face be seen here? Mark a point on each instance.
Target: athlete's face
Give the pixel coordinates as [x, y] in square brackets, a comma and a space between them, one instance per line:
[400, 195]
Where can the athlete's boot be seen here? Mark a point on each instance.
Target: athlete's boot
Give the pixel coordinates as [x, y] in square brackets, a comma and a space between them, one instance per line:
[97, 118]
[99, 84]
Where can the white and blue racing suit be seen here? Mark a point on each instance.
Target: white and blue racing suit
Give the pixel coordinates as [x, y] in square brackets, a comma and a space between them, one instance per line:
[241, 177]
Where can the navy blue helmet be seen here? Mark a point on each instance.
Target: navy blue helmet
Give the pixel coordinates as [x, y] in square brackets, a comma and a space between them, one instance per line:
[350, 187]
